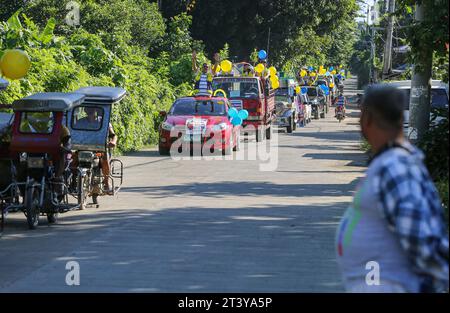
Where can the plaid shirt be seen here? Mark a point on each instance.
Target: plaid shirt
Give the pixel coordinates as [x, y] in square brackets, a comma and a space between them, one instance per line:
[413, 209]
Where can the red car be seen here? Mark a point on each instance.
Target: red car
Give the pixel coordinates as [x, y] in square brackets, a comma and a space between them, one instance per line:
[199, 123]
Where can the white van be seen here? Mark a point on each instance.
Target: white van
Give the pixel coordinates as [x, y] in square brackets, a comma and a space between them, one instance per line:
[439, 98]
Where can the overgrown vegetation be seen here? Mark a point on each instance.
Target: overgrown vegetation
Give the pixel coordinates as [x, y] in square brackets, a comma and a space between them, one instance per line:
[111, 49]
[436, 148]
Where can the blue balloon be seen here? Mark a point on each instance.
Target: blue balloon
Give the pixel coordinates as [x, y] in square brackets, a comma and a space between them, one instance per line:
[323, 87]
[304, 90]
[331, 68]
[262, 54]
[310, 68]
[236, 121]
[232, 112]
[327, 74]
[339, 76]
[243, 114]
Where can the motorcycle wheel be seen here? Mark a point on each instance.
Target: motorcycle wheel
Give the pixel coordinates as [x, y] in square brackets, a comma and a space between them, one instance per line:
[32, 207]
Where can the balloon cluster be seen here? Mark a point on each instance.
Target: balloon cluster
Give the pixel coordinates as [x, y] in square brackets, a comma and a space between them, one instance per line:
[237, 117]
[14, 64]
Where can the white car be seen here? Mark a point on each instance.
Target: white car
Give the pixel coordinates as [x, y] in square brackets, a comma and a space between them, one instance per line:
[439, 100]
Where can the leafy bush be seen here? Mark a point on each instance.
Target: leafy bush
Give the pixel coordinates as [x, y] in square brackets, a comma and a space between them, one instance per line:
[82, 59]
[435, 146]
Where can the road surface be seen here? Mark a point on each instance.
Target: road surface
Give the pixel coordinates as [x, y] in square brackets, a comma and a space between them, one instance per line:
[203, 225]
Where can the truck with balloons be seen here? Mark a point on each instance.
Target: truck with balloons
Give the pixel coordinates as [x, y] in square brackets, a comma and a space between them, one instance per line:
[254, 95]
[254, 92]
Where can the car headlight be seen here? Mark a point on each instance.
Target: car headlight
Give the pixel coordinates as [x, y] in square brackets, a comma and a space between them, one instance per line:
[35, 162]
[219, 127]
[166, 126]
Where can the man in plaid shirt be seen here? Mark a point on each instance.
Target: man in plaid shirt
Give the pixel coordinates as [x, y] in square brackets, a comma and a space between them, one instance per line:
[396, 219]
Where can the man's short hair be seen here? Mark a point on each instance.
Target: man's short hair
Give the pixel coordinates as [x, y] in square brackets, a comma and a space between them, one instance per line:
[385, 104]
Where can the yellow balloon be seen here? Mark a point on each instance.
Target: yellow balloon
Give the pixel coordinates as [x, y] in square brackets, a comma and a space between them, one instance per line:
[303, 73]
[313, 74]
[217, 68]
[297, 89]
[322, 71]
[259, 68]
[226, 66]
[273, 71]
[15, 64]
[333, 72]
[275, 84]
[331, 85]
[274, 78]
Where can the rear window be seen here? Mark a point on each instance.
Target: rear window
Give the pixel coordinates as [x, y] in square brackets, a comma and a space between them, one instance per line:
[312, 92]
[37, 122]
[238, 87]
[439, 99]
[87, 118]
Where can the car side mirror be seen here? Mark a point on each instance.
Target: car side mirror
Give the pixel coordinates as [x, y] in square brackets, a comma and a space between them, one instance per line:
[162, 113]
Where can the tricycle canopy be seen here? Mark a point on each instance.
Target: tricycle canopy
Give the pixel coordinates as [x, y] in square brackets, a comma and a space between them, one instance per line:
[103, 94]
[48, 102]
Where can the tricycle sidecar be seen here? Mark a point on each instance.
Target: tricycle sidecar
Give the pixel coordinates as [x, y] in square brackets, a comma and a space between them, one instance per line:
[39, 152]
[91, 129]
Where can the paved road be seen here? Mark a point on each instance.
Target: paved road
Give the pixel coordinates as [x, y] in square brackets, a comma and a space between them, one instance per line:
[203, 225]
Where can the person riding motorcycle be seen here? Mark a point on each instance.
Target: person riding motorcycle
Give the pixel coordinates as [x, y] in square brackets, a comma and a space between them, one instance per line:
[341, 101]
[92, 120]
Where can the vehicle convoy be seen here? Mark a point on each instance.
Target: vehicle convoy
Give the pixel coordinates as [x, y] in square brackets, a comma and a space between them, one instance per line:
[198, 123]
[317, 100]
[255, 95]
[90, 131]
[36, 177]
[287, 105]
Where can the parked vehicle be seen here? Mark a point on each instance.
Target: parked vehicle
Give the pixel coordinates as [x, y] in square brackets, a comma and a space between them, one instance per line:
[254, 95]
[439, 100]
[317, 100]
[198, 123]
[90, 131]
[287, 107]
[36, 177]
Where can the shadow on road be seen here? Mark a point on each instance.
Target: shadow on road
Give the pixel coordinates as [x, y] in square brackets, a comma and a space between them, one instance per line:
[232, 188]
[254, 249]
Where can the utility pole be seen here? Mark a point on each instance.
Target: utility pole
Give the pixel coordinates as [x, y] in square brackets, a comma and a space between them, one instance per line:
[387, 59]
[268, 42]
[419, 103]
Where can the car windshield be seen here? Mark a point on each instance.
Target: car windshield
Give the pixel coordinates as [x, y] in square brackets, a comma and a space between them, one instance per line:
[37, 122]
[312, 92]
[198, 107]
[439, 99]
[238, 87]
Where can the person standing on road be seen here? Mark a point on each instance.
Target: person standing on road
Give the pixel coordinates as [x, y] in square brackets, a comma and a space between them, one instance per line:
[393, 237]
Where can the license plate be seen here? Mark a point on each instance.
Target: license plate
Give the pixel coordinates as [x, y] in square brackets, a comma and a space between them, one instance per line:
[194, 138]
